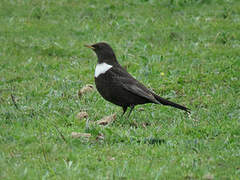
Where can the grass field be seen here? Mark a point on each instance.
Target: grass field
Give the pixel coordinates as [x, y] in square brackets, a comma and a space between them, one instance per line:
[185, 50]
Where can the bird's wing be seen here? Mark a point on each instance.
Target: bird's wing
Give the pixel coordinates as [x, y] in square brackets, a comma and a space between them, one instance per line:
[138, 90]
[132, 85]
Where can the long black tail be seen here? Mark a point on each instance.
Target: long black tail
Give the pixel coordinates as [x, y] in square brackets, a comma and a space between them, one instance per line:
[169, 103]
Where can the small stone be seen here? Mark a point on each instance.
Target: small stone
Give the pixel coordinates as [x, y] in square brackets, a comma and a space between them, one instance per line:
[86, 89]
[141, 109]
[106, 120]
[112, 158]
[80, 135]
[82, 115]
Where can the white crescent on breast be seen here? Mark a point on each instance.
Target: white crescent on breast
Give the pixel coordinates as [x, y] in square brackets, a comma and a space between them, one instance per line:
[102, 68]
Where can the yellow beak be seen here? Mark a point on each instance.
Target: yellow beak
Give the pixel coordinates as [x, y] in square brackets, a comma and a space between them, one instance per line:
[89, 46]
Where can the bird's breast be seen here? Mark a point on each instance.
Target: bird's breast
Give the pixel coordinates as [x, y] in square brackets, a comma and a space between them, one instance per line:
[104, 85]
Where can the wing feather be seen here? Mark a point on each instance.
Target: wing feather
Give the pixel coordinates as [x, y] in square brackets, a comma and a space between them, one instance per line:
[132, 85]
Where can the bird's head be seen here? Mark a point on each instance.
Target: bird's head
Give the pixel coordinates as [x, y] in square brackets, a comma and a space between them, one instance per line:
[104, 53]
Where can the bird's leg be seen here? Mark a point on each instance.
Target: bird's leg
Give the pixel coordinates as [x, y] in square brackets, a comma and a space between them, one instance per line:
[124, 110]
[131, 108]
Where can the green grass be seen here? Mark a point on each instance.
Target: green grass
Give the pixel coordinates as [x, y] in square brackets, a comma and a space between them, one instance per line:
[43, 64]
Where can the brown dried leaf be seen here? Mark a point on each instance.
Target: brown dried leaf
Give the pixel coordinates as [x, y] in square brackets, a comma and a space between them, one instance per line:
[85, 89]
[141, 109]
[79, 135]
[107, 120]
[82, 115]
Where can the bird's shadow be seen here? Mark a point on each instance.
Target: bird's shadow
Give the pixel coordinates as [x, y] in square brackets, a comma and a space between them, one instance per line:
[149, 141]
[126, 121]
[152, 141]
[133, 122]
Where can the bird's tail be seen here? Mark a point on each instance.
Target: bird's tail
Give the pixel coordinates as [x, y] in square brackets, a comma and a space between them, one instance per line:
[169, 103]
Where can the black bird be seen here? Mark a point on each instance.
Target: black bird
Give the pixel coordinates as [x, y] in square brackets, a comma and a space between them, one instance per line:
[116, 85]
